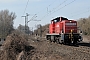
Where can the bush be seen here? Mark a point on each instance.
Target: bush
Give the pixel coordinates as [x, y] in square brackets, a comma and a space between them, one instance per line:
[13, 46]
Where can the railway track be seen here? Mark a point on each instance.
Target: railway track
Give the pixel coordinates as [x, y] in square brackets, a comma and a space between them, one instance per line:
[84, 49]
[45, 47]
[72, 52]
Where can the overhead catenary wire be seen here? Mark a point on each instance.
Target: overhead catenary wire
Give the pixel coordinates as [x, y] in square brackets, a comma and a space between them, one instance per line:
[59, 4]
[42, 10]
[81, 13]
[47, 6]
[58, 9]
[77, 12]
[26, 7]
[64, 6]
[51, 4]
[55, 8]
[33, 17]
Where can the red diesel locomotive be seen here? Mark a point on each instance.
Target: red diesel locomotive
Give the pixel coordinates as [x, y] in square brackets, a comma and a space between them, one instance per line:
[62, 30]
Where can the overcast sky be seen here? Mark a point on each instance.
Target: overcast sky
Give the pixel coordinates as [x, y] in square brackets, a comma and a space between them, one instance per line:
[46, 10]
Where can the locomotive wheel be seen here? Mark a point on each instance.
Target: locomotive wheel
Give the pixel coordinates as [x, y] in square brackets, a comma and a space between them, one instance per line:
[69, 42]
[48, 38]
[65, 42]
[75, 43]
[52, 39]
[57, 41]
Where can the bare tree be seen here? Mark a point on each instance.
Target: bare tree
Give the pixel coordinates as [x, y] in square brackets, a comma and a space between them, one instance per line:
[84, 24]
[6, 22]
[21, 28]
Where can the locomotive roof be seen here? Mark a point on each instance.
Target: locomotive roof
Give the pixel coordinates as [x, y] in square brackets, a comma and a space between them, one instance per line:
[58, 18]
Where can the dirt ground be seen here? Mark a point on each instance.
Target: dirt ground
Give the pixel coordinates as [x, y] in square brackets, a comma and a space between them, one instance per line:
[45, 50]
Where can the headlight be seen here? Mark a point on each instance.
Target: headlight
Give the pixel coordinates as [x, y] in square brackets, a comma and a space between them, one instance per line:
[62, 33]
[80, 33]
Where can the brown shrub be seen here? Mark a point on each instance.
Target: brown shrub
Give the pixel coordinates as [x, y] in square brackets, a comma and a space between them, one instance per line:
[13, 46]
